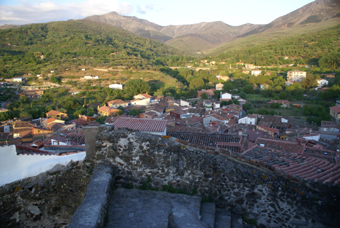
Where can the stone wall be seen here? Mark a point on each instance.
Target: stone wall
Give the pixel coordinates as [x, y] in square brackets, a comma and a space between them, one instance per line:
[47, 200]
[254, 191]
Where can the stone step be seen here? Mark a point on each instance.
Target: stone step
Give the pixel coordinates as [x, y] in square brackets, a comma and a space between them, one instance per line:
[236, 221]
[222, 218]
[208, 211]
[137, 209]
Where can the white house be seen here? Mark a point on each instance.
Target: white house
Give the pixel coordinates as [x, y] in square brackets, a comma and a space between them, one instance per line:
[116, 86]
[312, 136]
[83, 69]
[225, 96]
[184, 103]
[19, 79]
[322, 82]
[143, 102]
[255, 72]
[90, 77]
[250, 119]
[296, 75]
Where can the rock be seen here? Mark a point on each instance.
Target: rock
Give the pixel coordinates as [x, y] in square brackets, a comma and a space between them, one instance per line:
[299, 223]
[34, 209]
[237, 210]
[261, 225]
[16, 216]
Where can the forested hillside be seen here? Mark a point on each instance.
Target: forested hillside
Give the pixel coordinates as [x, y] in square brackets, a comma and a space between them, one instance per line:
[303, 49]
[62, 44]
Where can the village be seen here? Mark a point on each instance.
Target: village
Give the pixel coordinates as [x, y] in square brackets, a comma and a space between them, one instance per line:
[203, 121]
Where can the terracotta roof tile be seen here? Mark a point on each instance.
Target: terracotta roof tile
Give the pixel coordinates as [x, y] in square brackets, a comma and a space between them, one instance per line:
[141, 124]
[295, 165]
[53, 113]
[335, 109]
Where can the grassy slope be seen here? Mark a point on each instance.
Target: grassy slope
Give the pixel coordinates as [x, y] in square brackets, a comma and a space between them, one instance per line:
[189, 43]
[272, 35]
[61, 42]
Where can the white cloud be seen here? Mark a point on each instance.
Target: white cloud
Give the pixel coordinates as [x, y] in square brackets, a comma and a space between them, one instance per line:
[145, 8]
[25, 13]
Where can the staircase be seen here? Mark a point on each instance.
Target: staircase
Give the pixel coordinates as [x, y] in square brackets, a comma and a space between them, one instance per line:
[135, 208]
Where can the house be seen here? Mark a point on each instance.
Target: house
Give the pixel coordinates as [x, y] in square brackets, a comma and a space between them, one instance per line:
[212, 63]
[335, 112]
[219, 86]
[296, 75]
[148, 115]
[241, 101]
[184, 103]
[56, 115]
[322, 82]
[249, 66]
[141, 99]
[90, 77]
[19, 79]
[255, 72]
[87, 118]
[118, 102]
[217, 105]
[141, 102]
[208, 104]
[225, 96]
[116, 86]
[221, 77]
[83, 69]
[41, 131]
[3, 110]
[250, 119]
[107, 111]
[142, 96]
[148, 126]
[283, 103]
[209, 92]
[214, 118]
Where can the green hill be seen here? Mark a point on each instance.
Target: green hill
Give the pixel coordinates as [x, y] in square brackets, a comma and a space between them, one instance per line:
[306, 44]
[61, 44]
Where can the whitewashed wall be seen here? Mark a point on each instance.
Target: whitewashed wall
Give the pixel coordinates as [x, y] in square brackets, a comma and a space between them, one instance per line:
[15, 167]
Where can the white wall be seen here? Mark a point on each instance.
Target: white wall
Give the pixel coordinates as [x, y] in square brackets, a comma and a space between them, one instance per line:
[247, 120]
[15, 167]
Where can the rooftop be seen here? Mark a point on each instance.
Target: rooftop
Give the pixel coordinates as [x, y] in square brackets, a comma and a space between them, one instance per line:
[141, 124]
[295, 165]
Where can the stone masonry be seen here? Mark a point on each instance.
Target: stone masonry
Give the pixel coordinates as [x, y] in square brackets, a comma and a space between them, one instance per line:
[253, 191]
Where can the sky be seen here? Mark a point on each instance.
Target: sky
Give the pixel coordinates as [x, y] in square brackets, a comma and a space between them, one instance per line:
[173, 12]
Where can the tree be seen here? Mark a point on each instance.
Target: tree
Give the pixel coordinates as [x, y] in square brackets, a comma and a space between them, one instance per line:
[249, 89]
[204, 96]
[279, 81]
[196, 83]
[137, 86]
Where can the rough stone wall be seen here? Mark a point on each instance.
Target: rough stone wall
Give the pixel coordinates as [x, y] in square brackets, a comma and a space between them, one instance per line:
[258, 193]
[47, 200]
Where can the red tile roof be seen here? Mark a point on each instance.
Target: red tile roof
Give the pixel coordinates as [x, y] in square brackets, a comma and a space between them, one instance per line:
[146, 95]
[293, 147]
[335, 109]
[53, 113]
[302, 166]
[50, 120]
[141, 124]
